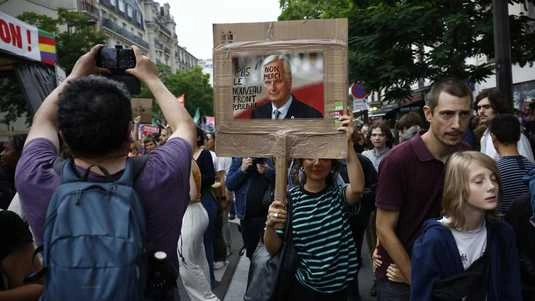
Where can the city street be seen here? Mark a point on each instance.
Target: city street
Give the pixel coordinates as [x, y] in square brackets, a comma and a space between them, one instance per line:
[232, 279]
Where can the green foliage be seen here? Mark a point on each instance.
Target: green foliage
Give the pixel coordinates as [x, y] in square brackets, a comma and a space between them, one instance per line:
[314, 9]
[71, 42]
[79, 37]
[394, 43]
[43, 22]
[193, 83]
[12, 101]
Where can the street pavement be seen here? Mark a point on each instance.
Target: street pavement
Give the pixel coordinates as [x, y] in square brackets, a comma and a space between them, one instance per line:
[232, 278]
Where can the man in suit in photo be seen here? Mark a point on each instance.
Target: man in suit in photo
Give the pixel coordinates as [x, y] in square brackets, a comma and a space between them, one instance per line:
[277, 77]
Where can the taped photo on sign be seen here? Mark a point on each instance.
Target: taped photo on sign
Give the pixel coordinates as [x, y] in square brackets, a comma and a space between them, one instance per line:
[278, 86]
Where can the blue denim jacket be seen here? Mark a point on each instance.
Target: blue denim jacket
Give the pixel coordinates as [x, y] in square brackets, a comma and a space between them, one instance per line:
[239, 182]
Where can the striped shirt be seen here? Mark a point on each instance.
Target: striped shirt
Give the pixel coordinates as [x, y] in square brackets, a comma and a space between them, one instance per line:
[326, 251]
[512, 169]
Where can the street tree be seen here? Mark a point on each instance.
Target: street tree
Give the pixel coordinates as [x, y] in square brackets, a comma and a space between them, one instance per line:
[193, 83]
[393, 44]
[75, 34]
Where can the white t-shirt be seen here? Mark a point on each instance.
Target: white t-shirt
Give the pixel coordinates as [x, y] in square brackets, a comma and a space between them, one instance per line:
[487, 147]
[215, 160]
[224, 164]
[471, 244]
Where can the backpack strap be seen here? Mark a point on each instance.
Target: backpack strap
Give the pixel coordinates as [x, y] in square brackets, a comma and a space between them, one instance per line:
[139, 163]
[35, 276]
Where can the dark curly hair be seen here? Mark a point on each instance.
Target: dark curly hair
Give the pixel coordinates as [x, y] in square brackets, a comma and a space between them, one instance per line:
[94, 116]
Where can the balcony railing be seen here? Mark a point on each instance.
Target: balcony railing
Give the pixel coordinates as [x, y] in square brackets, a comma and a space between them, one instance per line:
[110, 25]
[89, 7]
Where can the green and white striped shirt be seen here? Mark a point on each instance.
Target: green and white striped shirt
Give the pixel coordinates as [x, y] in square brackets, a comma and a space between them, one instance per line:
[326, 251]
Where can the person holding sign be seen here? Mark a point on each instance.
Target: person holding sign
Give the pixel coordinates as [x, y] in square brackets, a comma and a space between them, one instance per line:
[320, 229]
[277, 78]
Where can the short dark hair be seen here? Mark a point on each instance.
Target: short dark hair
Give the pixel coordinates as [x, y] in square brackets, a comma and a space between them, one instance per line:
[149, 138]
[408, 120]
[451, 86]
[506, 128]
[496, 99]
[15, 233]
[201, 137]
[94, 116]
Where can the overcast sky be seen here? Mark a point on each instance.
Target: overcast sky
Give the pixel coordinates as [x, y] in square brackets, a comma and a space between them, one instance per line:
[194, 19]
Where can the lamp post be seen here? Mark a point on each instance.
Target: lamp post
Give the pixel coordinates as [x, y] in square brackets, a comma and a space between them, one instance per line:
[502, 49]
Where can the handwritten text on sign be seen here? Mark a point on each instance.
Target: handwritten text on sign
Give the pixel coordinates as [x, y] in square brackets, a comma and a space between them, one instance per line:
[19, 38]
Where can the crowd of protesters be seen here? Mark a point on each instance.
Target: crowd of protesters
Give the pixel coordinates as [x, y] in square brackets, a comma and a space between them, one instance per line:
[442, 199]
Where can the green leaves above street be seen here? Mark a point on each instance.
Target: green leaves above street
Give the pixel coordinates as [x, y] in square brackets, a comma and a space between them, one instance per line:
[393, 44]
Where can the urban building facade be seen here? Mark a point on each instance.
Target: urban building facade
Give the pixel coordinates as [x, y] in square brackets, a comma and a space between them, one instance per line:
[208, 68]
[160, 33]
[144, 23]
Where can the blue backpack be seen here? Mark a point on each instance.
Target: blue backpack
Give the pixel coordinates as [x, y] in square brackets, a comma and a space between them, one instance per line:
[94, 235]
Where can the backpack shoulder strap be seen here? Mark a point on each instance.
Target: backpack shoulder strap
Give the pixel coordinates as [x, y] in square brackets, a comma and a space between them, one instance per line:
[58, 165]
[139, 164]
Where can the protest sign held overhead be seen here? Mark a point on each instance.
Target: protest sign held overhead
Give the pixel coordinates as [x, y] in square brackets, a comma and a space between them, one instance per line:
[275, 79]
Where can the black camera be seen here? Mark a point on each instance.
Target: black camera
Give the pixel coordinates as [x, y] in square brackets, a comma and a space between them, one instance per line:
[259, 161]
[117, 60]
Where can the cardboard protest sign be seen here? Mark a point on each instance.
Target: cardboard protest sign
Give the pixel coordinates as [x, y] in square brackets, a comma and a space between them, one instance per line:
[24, 40]
[279, 88]
[142, 107]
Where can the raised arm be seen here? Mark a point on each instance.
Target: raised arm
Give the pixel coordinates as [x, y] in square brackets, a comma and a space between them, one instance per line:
[354, 169]
[176, 115]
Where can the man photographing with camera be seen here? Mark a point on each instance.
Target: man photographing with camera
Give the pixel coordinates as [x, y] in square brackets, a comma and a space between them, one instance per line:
[252, 180]
[93, 117]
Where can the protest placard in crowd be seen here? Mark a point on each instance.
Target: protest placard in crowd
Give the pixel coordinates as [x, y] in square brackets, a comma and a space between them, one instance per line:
[298, 68]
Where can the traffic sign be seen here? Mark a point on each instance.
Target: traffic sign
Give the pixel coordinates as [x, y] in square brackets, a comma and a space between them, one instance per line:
[358, 90]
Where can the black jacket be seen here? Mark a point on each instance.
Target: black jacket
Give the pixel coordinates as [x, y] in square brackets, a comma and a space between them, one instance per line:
[298, 109]
[518, 217]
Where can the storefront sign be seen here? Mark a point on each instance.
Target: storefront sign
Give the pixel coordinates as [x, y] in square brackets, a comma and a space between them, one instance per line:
[24, 40]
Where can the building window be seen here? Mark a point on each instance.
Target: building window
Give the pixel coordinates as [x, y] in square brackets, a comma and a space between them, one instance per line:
[113, 2]
[130, 11]
[121, 6]
[138, 17]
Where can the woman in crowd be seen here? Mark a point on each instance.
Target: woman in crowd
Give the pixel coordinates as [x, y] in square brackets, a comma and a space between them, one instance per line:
[468, 253]
[381, 138]
[320, 230]
[9, 157]
[203, 158]
[16, 260]
[193, 267]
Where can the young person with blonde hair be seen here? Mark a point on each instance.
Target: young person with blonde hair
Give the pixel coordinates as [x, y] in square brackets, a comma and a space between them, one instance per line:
[469, 253]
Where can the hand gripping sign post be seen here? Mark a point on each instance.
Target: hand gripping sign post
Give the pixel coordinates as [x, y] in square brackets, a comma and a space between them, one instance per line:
[279, 90]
